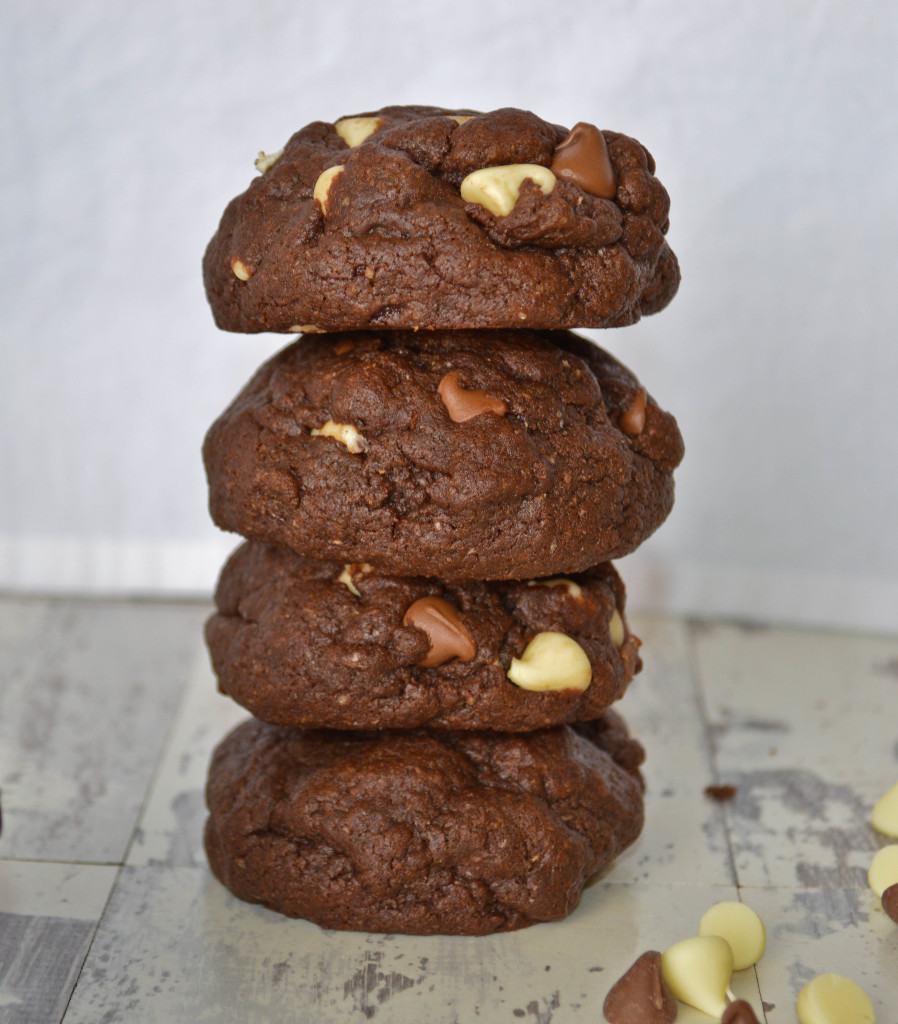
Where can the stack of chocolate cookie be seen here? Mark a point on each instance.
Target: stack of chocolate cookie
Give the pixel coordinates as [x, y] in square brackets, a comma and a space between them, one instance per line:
[433, 479]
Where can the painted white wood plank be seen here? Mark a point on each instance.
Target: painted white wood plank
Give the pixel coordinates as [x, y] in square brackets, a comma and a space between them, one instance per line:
[40, 958]
[89, 690]
[176, 946]
[38, 889]
[804, 728]
[48, 913]
[820, 931]
[171, 827]
[684, 836]
[808, 759]
[825, 702]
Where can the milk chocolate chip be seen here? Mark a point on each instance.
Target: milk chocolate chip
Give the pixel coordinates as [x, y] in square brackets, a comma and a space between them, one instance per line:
[583, 159]
[465, 403]
[641, 996]
[633, 420]
[440, 620]
[890, 902]
[739, 1012]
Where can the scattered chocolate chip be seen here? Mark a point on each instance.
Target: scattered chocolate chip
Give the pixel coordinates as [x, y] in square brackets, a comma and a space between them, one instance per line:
[641, 995]
[465, 403]
[440, 620]
[721, 793]
[739, 1012]
[890, 902]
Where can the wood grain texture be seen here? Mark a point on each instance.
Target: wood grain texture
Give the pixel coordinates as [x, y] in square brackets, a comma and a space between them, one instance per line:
[89, 692]
[803, 725]
[40, 958]
[175, 945]
[102, 700]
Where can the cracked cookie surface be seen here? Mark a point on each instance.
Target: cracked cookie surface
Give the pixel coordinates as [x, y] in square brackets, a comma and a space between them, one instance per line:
[325, 645]
[343, 236]
[346, 448]
[421, 832]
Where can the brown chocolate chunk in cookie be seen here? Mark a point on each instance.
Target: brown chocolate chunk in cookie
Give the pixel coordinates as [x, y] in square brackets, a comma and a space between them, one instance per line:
[415, 217]
[327, 645]
[346, 448]
[421, 832]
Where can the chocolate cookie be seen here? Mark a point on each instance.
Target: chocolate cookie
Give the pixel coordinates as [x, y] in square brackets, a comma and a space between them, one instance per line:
[458, 454]
[328, 645]
[421, 832]
[417, 217]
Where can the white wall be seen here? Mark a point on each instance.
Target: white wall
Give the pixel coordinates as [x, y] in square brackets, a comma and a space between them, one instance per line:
[126, 127]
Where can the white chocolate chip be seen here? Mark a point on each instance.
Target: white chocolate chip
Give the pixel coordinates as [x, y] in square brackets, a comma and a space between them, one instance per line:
[698, 971]
[265, 161]
[616, 629]
[345, 433]
[461, 118]
[498, 188]
[346, 578]
[574, 589]
[322, 189]
[241, 270]
[354, 130]
[884, 869]
[551, 661]
[832, 999]
[742, 929]
[885, 813]
[307, 329]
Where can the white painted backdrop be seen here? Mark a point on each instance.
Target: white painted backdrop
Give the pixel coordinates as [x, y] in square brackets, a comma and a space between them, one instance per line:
[126, 127]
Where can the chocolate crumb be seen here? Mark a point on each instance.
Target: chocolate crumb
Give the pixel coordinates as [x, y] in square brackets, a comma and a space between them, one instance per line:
[721, 793]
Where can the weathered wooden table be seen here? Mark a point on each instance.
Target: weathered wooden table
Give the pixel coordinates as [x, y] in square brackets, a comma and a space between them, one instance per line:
[108, 715]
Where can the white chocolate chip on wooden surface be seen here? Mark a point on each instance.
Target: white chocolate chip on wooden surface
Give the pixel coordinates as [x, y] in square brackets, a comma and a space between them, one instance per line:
[698, 971]
[885, 813]
[742, 928]
[883, 870]
[832, 999]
